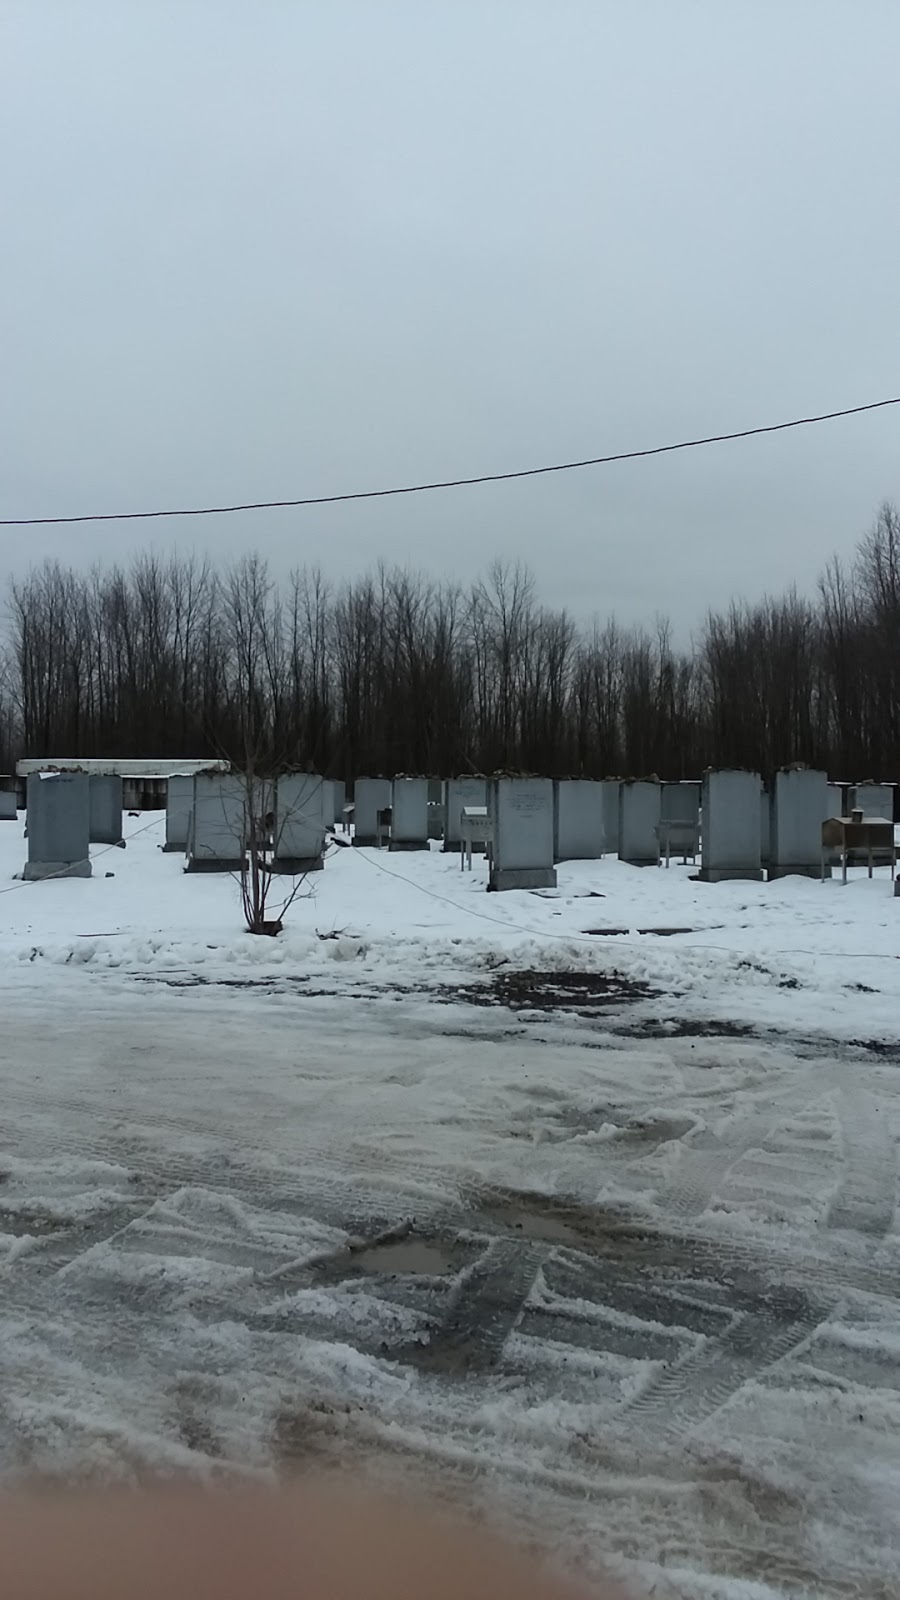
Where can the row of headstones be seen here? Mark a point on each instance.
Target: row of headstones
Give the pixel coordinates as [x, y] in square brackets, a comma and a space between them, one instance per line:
[577, 817]
[745, 827]
[207, 819]
[533, 822]
[537, 821]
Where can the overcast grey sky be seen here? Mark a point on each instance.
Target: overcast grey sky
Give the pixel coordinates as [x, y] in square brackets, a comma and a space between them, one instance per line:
[260, 250]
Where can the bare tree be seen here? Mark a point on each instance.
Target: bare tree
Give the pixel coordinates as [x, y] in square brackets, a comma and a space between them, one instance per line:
[394, 671]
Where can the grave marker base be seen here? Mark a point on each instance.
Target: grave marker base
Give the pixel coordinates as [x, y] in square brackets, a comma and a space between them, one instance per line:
[730, 875]
[296, 866]
[523, 878]
[213, 864]
[36, 870]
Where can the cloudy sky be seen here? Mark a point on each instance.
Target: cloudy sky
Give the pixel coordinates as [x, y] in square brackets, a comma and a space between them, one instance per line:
[262, 250]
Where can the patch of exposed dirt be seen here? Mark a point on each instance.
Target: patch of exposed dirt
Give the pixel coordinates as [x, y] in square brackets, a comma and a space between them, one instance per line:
[688, 1028]
[583, 993]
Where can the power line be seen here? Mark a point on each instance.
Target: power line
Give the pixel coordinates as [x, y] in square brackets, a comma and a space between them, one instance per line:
[447, 483]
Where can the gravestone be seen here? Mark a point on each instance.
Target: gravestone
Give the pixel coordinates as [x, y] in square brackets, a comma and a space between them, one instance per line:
[578, 820]
[680, 802]
[799, 807]
[179, 802]
[106, 809]
[680, 820]
[730, 847]
[765, 827]
[874, 800]
[610, 788]
[639, 814]
[328, 801]
[409, 814]
[459, 793]
[8, 811]
[370, 795]
[218, 824]
[836, 802]
[59, 825]
[303, 807]
[521, 813]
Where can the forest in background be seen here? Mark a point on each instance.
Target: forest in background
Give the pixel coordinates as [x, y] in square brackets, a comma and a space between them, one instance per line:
[397, 673]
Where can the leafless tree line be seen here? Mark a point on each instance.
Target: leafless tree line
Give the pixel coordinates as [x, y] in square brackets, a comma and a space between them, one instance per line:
[395, 672]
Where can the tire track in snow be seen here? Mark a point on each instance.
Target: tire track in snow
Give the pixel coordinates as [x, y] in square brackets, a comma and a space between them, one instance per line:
[686, 1395]
[865, 1198]
[314, 1173]
[707, 1160]
[125, 1133]
[483, 1313]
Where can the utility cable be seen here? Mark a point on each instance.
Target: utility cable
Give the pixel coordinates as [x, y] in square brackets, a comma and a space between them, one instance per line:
[66, 871]
[587, 938]
[448, 483]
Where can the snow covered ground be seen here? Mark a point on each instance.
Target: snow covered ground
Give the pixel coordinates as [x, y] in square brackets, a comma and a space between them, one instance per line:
[595, 1230]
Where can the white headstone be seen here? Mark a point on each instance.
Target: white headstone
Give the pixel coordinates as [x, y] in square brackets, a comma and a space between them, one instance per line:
[765, 827]
[799, 807]
[106, 808]
[578, 819]
[179, 803]
[680, 802]
[219, 823]
[370, 795]
[409, 814]
[610, 788]
[731, 826]
[59, 825]
[302, 814]
[639, 814]
[874, 800]
[521, 813]
[458, 794]
[339, 798]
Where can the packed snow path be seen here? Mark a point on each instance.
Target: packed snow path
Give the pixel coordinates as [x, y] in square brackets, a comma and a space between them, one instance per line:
[641, 1295]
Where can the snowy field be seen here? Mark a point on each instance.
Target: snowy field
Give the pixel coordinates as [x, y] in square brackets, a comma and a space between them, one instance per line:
[577, 1207]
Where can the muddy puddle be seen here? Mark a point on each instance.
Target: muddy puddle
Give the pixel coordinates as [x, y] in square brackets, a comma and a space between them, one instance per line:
[414, 1255]
[554, 1222]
